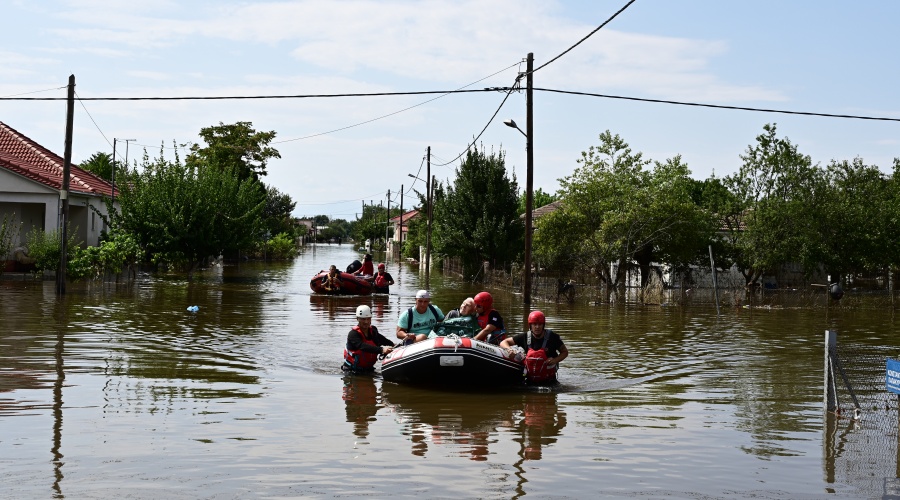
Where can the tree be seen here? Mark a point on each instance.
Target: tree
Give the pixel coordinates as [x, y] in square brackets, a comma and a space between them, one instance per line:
[539, 199]
[616, 213]
[277, 212]
[184, 213]
[101, 165]
[477, 218]
[238, 147]
[780, 193]
[851, 219]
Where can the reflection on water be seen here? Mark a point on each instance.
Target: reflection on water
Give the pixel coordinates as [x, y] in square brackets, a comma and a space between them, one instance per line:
[116, 385]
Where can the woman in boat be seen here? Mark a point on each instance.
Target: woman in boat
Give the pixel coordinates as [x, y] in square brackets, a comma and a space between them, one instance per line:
[332, 280]
[367, 268]
[544, 349]
[382, 280]
[364, 343]
[489, 320]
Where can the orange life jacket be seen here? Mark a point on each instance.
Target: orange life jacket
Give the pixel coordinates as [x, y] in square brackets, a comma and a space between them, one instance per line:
[536, 367]
[359, 360]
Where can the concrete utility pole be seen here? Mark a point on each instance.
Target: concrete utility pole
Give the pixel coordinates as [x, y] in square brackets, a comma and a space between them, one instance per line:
[64, 192]
[400, 236]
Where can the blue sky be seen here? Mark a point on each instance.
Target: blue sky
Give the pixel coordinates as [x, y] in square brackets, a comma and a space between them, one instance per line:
[822, 56]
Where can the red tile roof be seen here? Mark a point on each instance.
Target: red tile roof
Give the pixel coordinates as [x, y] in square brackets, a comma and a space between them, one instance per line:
[406, 217]
[23, 156]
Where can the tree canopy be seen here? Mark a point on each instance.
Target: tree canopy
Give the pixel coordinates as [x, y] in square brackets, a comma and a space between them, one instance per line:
[238, 147]
[182, 213]
[477, 218]
[615, 213]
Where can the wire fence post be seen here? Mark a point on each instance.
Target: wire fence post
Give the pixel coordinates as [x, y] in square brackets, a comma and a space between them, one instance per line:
[830, 393]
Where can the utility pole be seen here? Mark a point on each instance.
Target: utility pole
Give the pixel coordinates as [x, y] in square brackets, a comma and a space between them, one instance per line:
[387, 222]
[428, 218]
[64, 192]
[400, 237]
[114, 173]
[529, 177]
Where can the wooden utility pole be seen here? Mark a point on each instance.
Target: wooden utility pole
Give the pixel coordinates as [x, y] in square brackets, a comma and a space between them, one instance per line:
[428, 219]
[400, 237]
[64, 192]
[529, 177]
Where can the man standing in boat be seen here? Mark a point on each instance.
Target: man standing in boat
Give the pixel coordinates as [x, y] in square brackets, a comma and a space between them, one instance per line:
[416, 322]
[489, 320]
[364, 343]
[544, 349]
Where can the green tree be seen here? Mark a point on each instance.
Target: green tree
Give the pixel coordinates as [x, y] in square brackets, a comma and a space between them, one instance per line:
[277, 212]
[539, 199]
[477, 218]
[237, 147]
[851, 217]
[616, 213]
[101, 165]
[779, 191]
[184, 213]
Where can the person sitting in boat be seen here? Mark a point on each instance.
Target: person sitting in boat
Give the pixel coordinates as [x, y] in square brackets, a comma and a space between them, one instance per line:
[544, 350]
[367, 268]
[460, 322]
[489, 320]
[417, 322]
[364, 343]
[382, 280]
[332, 280]
[466, 309]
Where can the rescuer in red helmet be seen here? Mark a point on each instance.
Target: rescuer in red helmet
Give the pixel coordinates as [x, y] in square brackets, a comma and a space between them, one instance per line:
[544, 349]
[489, 320]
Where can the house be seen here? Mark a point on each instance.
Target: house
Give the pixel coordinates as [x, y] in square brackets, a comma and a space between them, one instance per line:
[396, 224]
[400, 225]
[30, 184]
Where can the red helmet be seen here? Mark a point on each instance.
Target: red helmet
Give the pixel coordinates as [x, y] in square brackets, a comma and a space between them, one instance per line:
[484, 300]
[381, 266]
[536, 317]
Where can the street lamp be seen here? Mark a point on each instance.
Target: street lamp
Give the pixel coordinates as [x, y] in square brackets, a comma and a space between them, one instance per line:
[529, 177]
[512, 123]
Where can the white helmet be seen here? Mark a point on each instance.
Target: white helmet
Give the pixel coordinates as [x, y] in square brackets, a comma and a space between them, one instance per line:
[363, 311]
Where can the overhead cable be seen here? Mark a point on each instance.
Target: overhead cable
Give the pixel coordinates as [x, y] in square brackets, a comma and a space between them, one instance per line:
[719, 106]
[486, 125]
[586, 37]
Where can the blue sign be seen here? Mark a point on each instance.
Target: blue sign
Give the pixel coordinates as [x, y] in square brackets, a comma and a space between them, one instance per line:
[893, 376]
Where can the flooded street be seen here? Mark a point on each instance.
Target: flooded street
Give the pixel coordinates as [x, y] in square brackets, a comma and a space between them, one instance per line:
[119, 391]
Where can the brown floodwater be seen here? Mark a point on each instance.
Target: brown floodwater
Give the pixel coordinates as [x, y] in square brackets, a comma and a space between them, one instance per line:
[118, 391]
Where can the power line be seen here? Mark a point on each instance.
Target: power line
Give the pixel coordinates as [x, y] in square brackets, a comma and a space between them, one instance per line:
[250, 97]
[719, 106]
[92, 120]
[32, 92]
[460, 89]
[586, 37]
[511, 89]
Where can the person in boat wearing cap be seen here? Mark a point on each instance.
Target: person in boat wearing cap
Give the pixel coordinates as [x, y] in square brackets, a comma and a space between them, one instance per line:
[489, 320]
[364, 343]
[332, 280]
[544, 349]
[367, 268]
[416, 322]
[382, 280]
